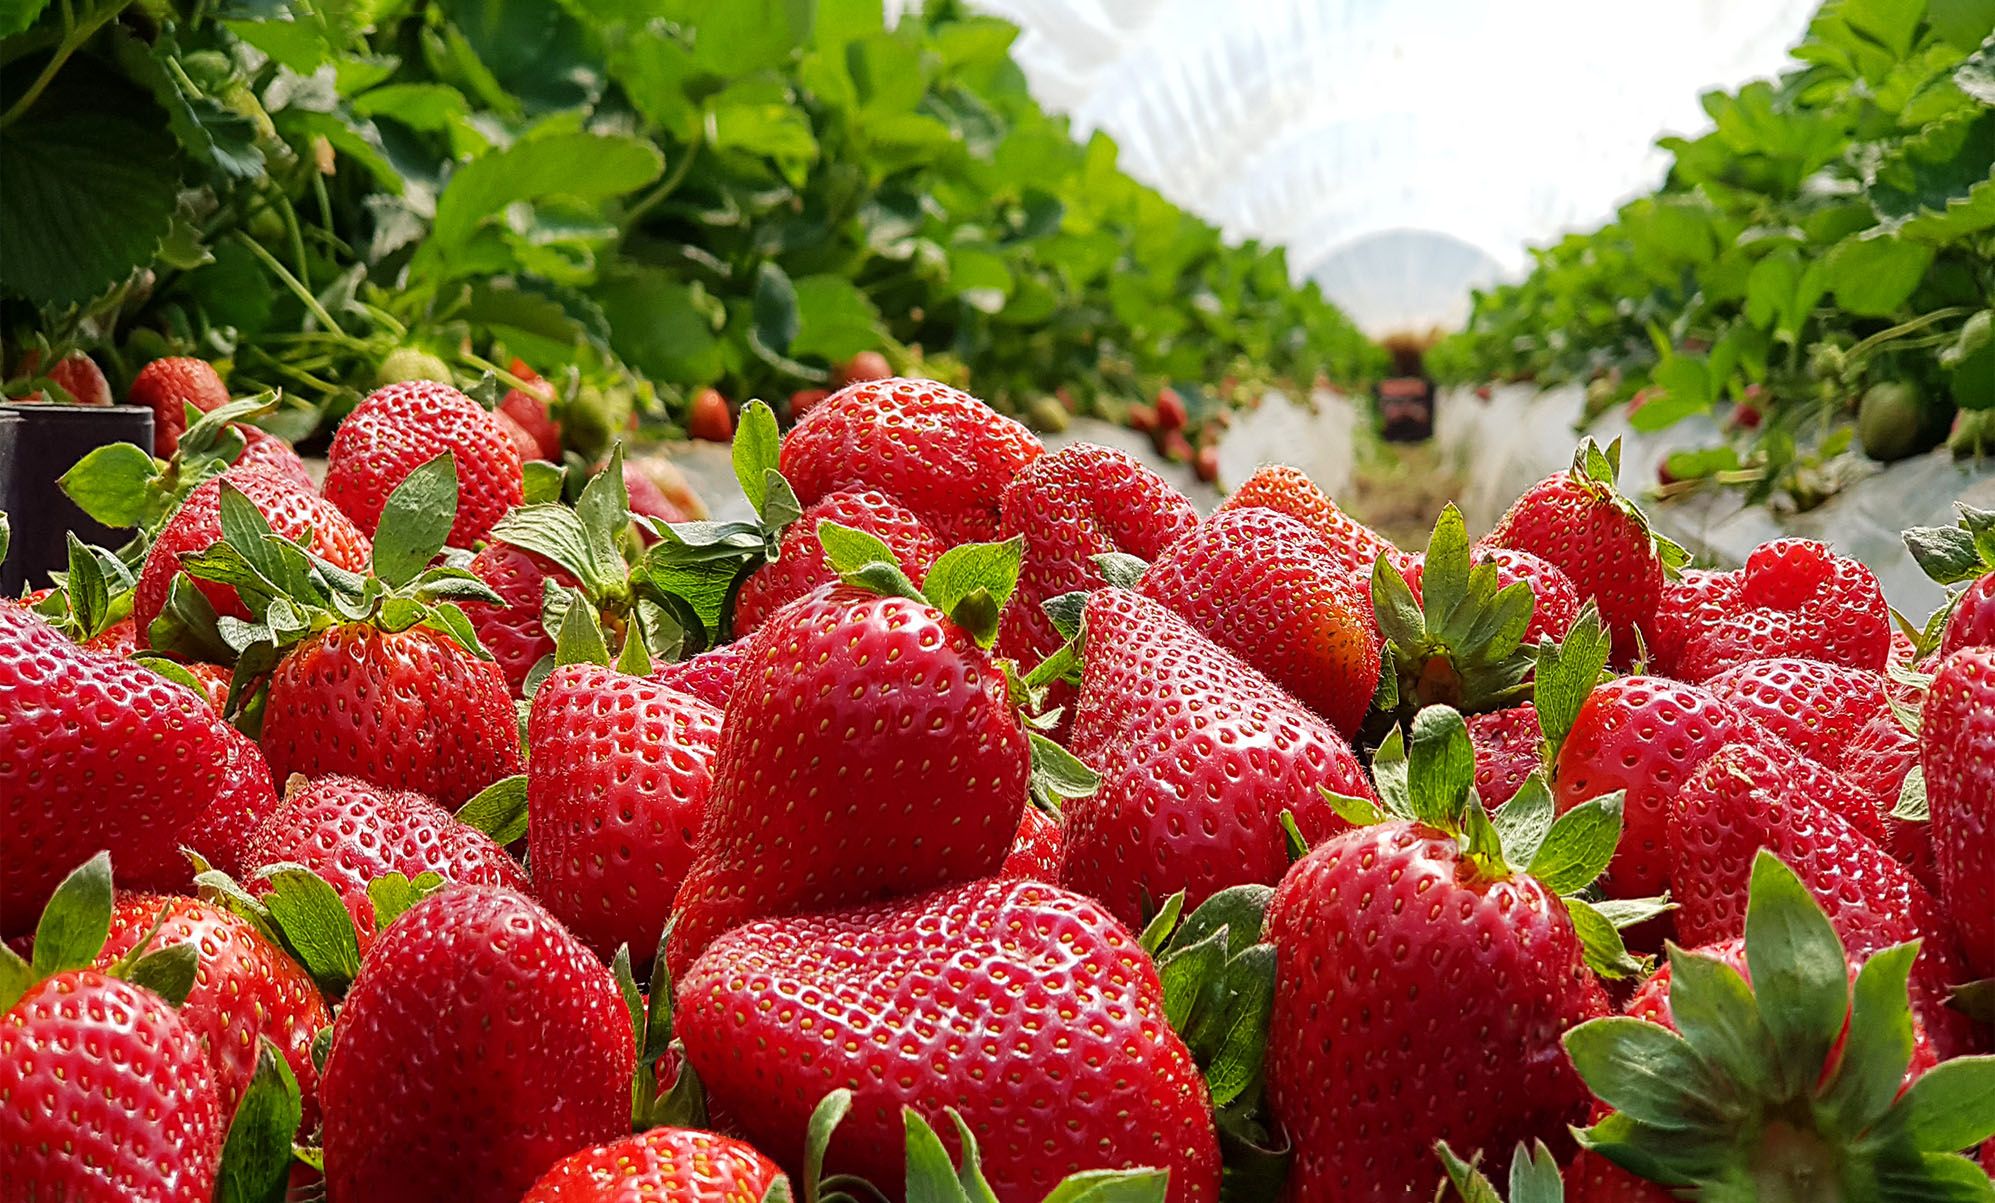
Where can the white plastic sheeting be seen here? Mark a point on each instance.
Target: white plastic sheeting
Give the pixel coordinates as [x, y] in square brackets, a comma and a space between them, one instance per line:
[1323, 124]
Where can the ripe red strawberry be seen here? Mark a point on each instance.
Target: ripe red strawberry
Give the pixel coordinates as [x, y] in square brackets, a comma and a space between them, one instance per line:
[617, 781]
[869, 751]
[517, 435]
[245, 988]
[261, 449]
[866, 365]
[1555, 600]
[1507, 749]
[1078, 503]
[1036, 849]
[197, 525]
[1972, 623]
[75, 373]
[480, 1044]
[108, 1096]
[1816, 707]
[1645, 735]
[1582, 524]
[1279, 487]
[1171, 413]
[708, 676]
[100, 754]
[1957, 751]
[168, 387]
[246, 799]
[408, 709]
[403, 426]
[658, 491]
[529, 408]
[1422, 989]
[350, 832]
[804, 400]
[709, 418]
[512, 630]
[997, 998]
[937, 450]
[1794, 597]
[1198, 754]
[1267, 588]
[679, 1165]
[800, 566]
[1740, 801]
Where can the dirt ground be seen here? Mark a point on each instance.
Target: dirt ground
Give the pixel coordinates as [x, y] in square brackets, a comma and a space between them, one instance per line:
[1398, 489]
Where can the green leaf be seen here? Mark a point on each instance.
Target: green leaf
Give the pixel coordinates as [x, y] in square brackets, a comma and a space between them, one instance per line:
[580, 166]
[757, 452]
[1798, 971]
[1716, 1014]
[862, 559]
[1872, 276]
[1526, 820]
[1444, 576]
[167, 972]
[1298, 847]
[824, 1120]
[499, 810]
[1157, 932]
[1952, 1105]
[1469, 1182]
[1600, 942]
[1440, 767]
[1390, 774]
[1112, 1186]
[416, 521]
[580, 638]
[316, 926]
[76, 919]
[16, 977]
[1235, 1064]
[1579, 845]
[931, 1176]
[1186, 972]
[1567, 673]
[1534, 1176]
[17, 15]
[1358, 812]
[972, 582]
[256, 1159]
[114, 484]
[1240, 909]
[835, 319]
[91, 187]
[1057, 774]
[393, 894]
[542, 482]
[1878, 1046]
[554, 531]
[774, 308]
[1399, 616]
[1650, 1074]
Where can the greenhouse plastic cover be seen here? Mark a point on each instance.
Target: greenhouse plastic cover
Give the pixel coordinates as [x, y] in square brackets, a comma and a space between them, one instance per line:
[1403, 151]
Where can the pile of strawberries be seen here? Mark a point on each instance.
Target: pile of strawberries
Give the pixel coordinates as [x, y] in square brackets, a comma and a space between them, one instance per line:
[977, 825]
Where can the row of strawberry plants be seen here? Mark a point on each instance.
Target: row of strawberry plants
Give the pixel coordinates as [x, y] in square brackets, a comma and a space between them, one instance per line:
[1817, 271]
[640, 201]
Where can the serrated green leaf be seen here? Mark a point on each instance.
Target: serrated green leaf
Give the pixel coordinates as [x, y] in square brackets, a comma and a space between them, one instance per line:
[1440, 767]
[1444, 574]
[499, 810]
[416, 521]
[76, 919]
[972, 582]
[757, 452]
[862, 559]
[1235, 1065]
[1579, 845]
[1525, 820]
[1567, 673]
[542, 482]
[1057, 774]
[931, 1176]
[1650, 1074]
[1390, 775]
[315, 925]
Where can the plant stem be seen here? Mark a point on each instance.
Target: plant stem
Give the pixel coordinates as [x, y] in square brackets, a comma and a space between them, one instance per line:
[303, 294]
[71, 43]
[666, 187]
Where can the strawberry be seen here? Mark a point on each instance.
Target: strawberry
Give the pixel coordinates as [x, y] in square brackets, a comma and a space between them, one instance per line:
[618, 772]
[708, 676]
[100, 754]
[1081, 502]
[261, 449]
[1171, 413]
[682, 1165]
[480, 1044]
[996, 998]
[657, 490]
[350, 832]
[1199, 756]
[1267, 588]
[1793, 598]
[866, 365]
[1555, 600]
[1580, 522]
[197, 526]
[1507, 744]
[76, 375]
[800, 566]
[1972, 623]
[1425, 975]
[245, 989]
[1740, 801]
[168, 387]
[518, 435]
[854, 706]
[512, 629]
[1036, 849]
[246, 799]
[804, 400]
[108, 1095]
[1645, 735]
[1816, 707]
[1957, 752]
[1778, 1073]
[939, 451]
[709, 418]
[1876, 760]
[400, 427]
[1279, 487]
[529, 409]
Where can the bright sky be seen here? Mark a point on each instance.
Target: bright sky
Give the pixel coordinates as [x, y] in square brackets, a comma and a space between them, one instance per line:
[1401, 149]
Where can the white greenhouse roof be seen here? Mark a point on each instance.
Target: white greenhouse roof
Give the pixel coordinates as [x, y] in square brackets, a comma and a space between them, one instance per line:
[1402, 150]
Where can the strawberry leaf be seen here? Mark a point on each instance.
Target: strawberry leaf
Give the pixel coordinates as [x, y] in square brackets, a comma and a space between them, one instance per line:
[1440, 768]
[1185, 973]
[76, 920]
[971, 584]
[861, 559]
[415, 521]
[1523, 822]
[1878, 1047]
[1952, 1105]
[115, 484]
[256, 1159]
[1120, 569]
[931, 1175]
[1715, 1012]
[315, 924]
[580, 639]
[392, 893]
[1389, 776]
[1111, 1186]
[187, 625]
[1601, 944]
[1057, 774]
[1579, 845]
[1912, 806]
[499, 810]
[1650, 1074]
[824, 1120]
[603, 510]
[542, 482]
[757, 452]
[16, 976]
[1468, 1181]
[167, 972]
[1566, 675]
[1157, 932]
[1798, 971]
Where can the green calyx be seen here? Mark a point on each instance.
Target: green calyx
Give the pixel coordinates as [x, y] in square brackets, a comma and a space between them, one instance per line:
[1752, 1099]
[969, 584]
[1534, 1176]
[1565, 677]
[92, 595]
[683, 1104]
[1429, 778]
[1598, 471]
[1462, 643]
[123, 485]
